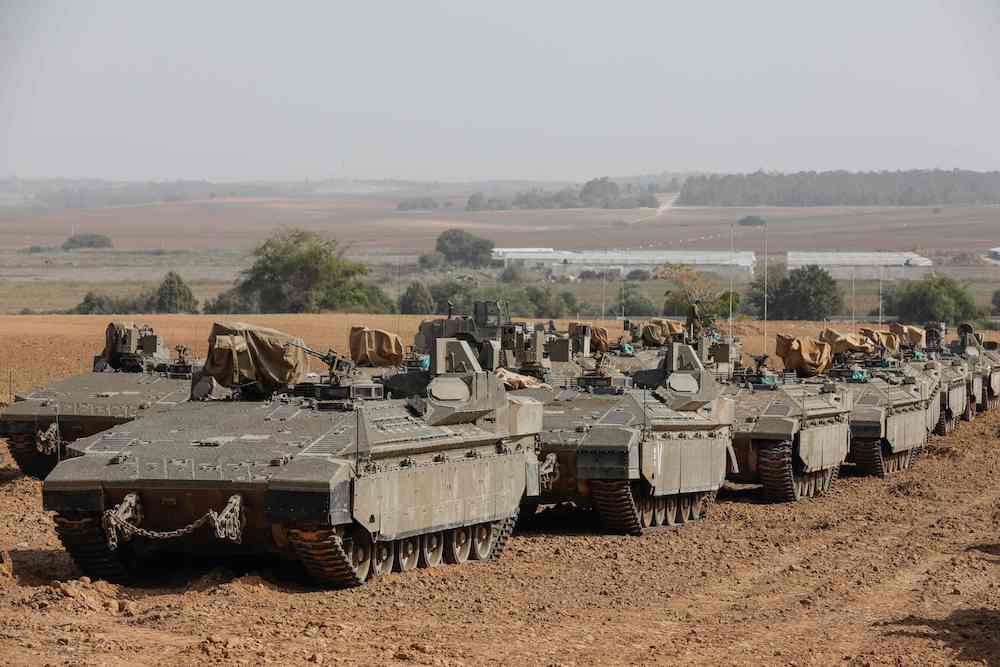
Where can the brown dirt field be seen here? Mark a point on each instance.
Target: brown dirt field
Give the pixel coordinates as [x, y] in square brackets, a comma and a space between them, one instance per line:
[375, 226]
[880, 572]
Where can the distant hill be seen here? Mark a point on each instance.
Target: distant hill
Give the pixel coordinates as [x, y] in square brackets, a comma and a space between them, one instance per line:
[843, 188]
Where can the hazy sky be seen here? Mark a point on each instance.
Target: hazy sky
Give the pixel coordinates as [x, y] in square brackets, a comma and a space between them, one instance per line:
[515, 89]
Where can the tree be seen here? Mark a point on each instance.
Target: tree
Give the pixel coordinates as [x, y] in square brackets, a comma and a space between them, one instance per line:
[416, 300]
[751, 221]
[807, 293]
[633, 303]
[477, 202]
[569, 301]
[173, 296]
[417, 204]
[86, 240]
[996, 302]
[296, 271]
[934, 298]
[447, 291]
[431, 261]
[546, 303]
[460, 247]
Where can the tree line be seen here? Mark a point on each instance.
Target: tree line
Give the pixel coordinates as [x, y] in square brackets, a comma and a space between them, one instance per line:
[927, 187]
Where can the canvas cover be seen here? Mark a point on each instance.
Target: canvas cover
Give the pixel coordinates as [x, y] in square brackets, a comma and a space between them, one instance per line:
[375, 347]
[513, 381]
[911, 336]
[841, 342]
[243, 354]
[658, 331]
[884, 339]
[598, 335]
[599, 339]
[807, 356]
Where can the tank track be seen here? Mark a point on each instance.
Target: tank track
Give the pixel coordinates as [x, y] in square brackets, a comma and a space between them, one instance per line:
[322, 554]
[27, 457]
[616, 506]
[872, 460]
[777, 474]
[507, 527]
[85, 541]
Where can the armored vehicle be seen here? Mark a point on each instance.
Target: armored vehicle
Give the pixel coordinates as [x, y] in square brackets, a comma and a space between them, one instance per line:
[984, 364]
[889, 401]
[888, 422]
[790, 437]
[497, 341]
[922, 351]
[652, 454]
[327, 473]
[132, 377]
[965, 363]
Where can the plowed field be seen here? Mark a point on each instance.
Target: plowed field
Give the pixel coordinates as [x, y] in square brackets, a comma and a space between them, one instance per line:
[898, 571]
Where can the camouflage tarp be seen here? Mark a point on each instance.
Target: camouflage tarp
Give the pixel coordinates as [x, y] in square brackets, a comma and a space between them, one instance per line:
[807, 356]
[598, 335]
[512, 380]
[658, 331]
[841, 342]
[243, 354]
[375, 347]
[599, 339]
[913, 336]
[883, 339]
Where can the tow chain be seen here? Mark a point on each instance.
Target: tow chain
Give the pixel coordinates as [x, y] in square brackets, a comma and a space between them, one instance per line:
[47, 441]
[548, 472]
[123, 517]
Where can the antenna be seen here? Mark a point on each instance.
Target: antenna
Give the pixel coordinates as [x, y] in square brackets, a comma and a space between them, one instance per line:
[881, 274]
[732, 269]
[854, 298]
[764, 334]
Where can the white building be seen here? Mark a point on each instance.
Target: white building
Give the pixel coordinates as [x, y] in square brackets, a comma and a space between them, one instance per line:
[572, 262]
[864, 265]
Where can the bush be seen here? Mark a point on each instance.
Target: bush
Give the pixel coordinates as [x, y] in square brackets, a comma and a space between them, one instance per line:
[416, 300]
[233, 301]
[171, 296]
[460, 247]
[514, 273]
[417, 204]
[996, 302]
[477, 202]
[638, 275]
[934, 298]
[429, 262]
[545, 302]
[751, 221]
[86, 240]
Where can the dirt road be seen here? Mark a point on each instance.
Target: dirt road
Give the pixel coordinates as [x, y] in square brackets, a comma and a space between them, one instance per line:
[903, 571]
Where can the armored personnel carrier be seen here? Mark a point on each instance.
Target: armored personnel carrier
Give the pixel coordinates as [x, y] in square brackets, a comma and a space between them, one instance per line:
[327, 473]
[984, 364]
[922, 351]
[790, 437]
[133, 376]
[890, 401]
[888, 422]
[643, 455]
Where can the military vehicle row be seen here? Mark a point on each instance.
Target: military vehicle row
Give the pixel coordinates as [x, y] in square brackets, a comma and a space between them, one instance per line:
[353, 476]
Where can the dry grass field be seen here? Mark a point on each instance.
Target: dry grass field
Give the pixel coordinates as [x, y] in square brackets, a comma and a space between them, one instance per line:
[375, 226]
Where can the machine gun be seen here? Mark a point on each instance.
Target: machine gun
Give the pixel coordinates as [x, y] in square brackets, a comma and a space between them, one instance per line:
[338, 368]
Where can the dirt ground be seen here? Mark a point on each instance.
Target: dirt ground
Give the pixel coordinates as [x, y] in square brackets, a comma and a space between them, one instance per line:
[881, 572]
